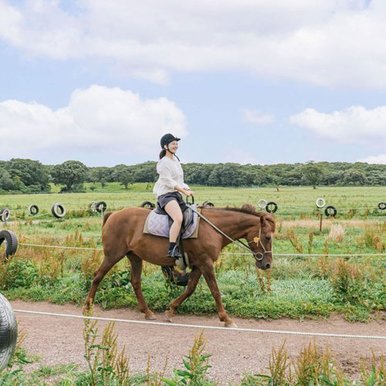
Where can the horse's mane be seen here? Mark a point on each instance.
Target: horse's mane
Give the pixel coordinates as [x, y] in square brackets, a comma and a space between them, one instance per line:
[247, 209]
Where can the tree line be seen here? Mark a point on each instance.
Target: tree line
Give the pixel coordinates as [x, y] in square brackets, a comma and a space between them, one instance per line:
[29, 176]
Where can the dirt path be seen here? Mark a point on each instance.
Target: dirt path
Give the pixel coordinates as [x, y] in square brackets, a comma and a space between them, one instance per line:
[59, 340]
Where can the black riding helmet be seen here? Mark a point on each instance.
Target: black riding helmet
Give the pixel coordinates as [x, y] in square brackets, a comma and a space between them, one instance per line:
[167, 138]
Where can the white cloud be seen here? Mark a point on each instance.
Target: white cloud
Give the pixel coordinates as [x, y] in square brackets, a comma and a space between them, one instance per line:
[239, 156]
[98, 120]
[257, 118]
[375, 159]
[327, 42]
[352, 125]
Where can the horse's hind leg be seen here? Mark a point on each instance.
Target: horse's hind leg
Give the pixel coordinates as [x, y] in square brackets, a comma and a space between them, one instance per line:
[136, 271]
[194, 277]
[98, 276]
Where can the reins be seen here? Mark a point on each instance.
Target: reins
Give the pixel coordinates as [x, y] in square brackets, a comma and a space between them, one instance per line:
[246, 246]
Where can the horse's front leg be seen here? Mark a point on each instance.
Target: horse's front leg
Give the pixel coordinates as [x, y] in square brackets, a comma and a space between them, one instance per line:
[210, 277]
[194, 277]
[136, 271]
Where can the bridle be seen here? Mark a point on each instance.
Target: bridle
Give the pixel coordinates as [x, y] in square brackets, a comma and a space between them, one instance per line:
[257, 255]
[257, 240]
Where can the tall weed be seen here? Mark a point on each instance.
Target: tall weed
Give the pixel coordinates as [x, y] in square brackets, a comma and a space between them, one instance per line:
[296, 243]
[196, 365]
[106, 366]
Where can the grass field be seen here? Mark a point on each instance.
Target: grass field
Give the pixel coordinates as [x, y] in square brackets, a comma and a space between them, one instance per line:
[338, 269]
[298, 202]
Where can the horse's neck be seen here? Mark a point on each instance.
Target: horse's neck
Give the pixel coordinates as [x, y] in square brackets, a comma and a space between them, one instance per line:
[235, 225]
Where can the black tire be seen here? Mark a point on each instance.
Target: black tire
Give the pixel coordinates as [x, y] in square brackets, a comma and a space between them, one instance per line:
[147, 205]
[208, 203]
[11, 242]
[100, 207]
[271, 207]
[58, 210]
[33, 210]
[382, 205]
[330, 211]
[8, 332]
[4, 214]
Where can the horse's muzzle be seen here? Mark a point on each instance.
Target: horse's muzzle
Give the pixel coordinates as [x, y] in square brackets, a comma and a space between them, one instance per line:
[261, 259]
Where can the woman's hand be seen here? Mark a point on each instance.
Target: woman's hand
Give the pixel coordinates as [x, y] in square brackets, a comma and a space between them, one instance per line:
[187, 192]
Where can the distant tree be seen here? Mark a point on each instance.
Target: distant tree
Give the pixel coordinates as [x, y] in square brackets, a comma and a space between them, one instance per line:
[145, 172]
[71, 174]
[294, 177]
[100, 174]
[376, 177]
[332, 178]
[312, 173]
[28, 175]
[354, 177]
[124, 175]
[196, 173]
[6, 182]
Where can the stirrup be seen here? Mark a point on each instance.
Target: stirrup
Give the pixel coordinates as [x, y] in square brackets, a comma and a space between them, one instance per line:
[175, 252]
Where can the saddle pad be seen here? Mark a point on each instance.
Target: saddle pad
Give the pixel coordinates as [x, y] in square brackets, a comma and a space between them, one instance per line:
[158, 225]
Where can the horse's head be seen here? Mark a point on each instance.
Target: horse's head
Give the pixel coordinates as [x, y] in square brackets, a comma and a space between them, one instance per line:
[260, 241]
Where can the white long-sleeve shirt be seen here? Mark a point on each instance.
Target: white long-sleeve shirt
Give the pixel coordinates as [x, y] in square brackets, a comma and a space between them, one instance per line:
[171, 176]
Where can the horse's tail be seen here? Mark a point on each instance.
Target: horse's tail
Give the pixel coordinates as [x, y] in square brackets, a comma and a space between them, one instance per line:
[106, 216]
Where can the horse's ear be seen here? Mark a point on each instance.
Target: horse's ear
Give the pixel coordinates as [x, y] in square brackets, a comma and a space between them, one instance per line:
[248, 208]
[267, 219]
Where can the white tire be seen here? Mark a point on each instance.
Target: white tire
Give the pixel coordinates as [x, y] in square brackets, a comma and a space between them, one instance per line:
[58, 210]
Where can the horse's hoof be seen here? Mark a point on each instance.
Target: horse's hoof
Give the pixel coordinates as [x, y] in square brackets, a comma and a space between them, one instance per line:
[169, 316]
[230, 325]
[87, 310]
[150, 316]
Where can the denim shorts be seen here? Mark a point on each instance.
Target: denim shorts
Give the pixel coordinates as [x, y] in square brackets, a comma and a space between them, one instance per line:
[167, 197]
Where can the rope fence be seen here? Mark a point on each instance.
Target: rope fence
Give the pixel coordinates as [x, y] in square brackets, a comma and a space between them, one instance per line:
[223, 253]
[204, 327]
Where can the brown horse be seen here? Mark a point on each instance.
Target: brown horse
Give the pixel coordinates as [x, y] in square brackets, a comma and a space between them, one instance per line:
[122, 235]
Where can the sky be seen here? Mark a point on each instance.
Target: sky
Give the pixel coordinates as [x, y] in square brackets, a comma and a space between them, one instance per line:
[246, 81]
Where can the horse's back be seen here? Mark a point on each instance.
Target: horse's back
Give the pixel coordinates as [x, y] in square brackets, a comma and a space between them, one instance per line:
[127, 221]
[125, 216]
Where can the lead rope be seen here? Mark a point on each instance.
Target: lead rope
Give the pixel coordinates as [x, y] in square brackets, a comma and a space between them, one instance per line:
[225, 235]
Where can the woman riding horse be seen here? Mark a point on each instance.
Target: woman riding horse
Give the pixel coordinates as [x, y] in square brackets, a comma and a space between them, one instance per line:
[122, 235]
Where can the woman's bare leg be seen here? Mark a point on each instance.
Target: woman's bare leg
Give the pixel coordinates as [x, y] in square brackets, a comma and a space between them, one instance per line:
[174, 211]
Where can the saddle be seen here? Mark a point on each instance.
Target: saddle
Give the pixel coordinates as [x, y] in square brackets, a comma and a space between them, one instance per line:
[158, 223]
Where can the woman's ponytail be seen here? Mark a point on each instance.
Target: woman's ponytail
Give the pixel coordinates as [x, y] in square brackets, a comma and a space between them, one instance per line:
[162, 154]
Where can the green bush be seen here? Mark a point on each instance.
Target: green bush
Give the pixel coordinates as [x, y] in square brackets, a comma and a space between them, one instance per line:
[19, 273]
